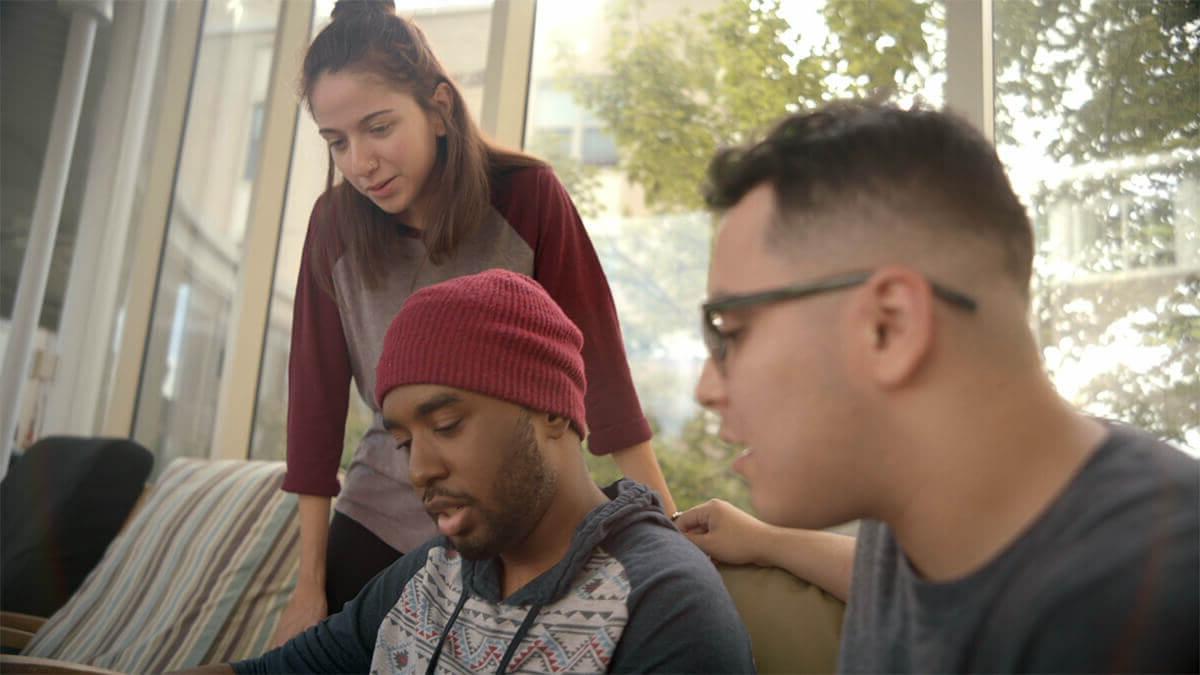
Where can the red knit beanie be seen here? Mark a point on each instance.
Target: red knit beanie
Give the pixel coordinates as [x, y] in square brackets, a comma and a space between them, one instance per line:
[496, 333]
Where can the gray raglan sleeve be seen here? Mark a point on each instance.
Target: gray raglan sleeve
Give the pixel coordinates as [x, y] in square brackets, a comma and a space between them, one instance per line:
[343, 642]
[681, 619]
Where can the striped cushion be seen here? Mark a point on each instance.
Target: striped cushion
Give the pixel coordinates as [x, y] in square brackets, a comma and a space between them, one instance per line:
[200, 575]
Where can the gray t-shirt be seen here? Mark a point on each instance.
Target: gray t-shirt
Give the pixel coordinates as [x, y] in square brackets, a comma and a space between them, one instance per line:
[1106, 580]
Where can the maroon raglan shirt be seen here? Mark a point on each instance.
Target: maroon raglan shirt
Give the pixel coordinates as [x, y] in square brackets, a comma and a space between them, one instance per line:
[535, 230]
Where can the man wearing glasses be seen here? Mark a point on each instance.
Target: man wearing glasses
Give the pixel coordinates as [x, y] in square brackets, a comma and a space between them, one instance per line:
[869, 343]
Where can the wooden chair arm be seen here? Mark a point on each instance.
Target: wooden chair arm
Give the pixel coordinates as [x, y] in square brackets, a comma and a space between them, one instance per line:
[14, 638]
[26, 622]
[16, 629]
[36, 666]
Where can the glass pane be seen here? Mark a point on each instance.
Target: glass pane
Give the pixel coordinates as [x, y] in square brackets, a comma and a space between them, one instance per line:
[1098, 121]
[629, 100]
[34, 43]
[459, 35]
[184, 361]
[32, 48]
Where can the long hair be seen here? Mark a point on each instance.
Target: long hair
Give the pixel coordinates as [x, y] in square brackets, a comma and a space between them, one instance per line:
[366, 36]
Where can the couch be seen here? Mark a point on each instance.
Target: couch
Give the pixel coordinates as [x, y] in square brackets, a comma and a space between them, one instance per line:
[204, 568]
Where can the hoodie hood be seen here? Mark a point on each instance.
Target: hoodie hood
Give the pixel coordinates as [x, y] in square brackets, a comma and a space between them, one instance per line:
[629, 503]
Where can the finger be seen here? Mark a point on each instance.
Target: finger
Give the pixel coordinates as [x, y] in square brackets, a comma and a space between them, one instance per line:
[702, 541]
[693, 520]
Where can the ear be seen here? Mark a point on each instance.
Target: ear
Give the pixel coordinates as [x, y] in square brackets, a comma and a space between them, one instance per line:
[556, 426]
[894, 325]
[444, 101]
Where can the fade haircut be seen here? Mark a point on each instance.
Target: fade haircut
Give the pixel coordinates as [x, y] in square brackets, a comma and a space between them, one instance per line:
[920, 166]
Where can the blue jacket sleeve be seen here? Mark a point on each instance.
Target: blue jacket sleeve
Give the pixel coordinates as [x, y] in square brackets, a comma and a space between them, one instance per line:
[343, 642]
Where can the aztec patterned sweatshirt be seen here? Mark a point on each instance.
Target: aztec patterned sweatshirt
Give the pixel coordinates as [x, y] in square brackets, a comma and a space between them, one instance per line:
[631, 595]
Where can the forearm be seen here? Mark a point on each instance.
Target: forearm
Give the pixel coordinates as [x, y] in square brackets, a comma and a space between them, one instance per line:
[821, 558]
[314, 537]
[637, 462]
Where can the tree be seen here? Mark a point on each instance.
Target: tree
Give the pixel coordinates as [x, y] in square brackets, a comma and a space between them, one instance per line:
[1117, 79]
[695, 462]
[677, 90]
[1120, 80]
[1119, 76]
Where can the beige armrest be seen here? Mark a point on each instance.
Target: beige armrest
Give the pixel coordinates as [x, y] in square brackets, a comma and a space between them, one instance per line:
[794, 626]
[36, 666]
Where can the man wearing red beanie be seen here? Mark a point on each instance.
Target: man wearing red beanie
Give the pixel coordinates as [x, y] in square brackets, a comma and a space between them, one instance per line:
[536, 569]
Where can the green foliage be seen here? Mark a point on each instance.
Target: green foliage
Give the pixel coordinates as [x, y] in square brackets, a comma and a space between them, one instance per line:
[1164, 396]
[579, 178]
[677, 90]
[697, 465]
[879, 42]
[1121, 78]
[1139, 60]
[1117, 79]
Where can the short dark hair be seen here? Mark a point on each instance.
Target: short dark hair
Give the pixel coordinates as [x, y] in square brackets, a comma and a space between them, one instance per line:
[911, 162]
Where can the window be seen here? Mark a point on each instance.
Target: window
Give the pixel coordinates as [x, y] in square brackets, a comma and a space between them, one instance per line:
[190, 331]
[111, 169]
[1098, 121]
[640, 95]
[254, 149]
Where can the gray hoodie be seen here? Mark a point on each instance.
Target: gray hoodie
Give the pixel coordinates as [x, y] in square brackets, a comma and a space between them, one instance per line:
[630, 595]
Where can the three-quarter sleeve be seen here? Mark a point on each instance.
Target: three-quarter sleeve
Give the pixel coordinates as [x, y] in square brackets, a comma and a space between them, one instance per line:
[319, 374]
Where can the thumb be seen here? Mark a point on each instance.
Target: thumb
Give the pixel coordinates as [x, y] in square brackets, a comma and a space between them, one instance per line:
[693, 520]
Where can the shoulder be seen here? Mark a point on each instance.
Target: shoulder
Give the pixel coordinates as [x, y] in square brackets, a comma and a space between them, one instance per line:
[323, 234]
[532, 201]
[681, 617]
[1134, 488]
[1121, 565]
[1137, 614]
[656, 557]
[1129, 452]
[527, 188]
[1129, 513]
[522, 180]
[323, 211]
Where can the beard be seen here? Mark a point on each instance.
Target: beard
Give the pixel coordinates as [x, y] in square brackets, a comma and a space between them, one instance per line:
[521, 496]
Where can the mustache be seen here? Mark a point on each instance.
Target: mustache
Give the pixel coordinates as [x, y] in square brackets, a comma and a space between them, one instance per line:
[436, 491]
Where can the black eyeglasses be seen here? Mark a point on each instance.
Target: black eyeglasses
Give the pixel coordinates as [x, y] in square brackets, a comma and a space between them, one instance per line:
[718, 341]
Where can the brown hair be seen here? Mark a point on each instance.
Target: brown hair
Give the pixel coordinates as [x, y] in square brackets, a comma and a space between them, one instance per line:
[914, 163]
[366, 36]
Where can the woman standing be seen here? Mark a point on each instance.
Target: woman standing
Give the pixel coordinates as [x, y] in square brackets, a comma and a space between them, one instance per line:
[423, 198]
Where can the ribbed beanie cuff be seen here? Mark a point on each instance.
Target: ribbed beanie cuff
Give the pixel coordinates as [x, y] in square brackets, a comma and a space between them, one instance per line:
[496, 333]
